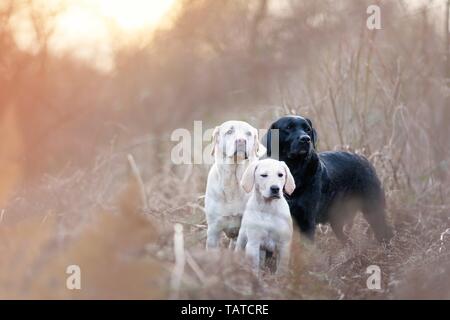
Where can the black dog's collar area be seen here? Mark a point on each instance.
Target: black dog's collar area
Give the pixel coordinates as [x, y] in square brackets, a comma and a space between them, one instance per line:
[298, 155]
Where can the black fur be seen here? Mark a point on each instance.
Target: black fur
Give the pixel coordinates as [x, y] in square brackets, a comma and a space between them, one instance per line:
[330, 186]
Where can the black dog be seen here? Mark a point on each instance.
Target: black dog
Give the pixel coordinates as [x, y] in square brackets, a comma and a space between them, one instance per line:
[331, 186]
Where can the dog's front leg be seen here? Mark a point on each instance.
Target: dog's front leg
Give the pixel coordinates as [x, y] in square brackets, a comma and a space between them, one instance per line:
[283, 258]
[252, 252]
[232, 244]
[241, 240]
[262, 258]
[213, 237]
[304, 216]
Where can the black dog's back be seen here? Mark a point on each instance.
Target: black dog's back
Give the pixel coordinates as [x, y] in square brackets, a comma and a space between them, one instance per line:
[353, 185]
[351, 172]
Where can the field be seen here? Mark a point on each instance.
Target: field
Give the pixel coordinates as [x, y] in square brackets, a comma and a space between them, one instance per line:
[87, 179]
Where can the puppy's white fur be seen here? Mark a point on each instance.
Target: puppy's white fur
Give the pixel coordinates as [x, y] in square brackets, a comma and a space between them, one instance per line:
[267, 223]
[236, 146]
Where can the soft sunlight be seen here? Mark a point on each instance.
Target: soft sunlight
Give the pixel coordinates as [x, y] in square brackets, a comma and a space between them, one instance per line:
[134, 14]
[90, 29]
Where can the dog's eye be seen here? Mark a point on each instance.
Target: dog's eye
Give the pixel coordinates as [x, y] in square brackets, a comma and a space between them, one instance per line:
[264, 175]
[280, 175]
[248, 133]
[229, 131]
[308, 129]
[289, 126]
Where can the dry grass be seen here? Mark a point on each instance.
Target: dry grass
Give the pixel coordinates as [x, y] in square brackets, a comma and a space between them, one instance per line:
[127, 252]
[111, 251]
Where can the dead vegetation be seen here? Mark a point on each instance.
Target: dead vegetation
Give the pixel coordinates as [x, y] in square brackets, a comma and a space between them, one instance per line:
[127, 252]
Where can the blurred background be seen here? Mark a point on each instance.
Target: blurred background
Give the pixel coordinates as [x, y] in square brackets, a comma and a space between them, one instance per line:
[84, 83]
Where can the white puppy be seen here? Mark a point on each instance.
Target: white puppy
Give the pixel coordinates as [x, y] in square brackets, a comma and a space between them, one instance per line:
[236, 145]
[267, 223]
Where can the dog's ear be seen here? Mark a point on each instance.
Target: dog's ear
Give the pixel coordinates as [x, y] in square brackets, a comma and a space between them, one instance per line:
[260, 149]
[267, 141]
[314, 133]
[248, 178]
[289, 185]
[314, 138]
[215, 138]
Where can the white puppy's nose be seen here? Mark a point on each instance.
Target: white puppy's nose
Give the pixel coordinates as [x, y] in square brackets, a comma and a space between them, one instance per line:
[274, 189]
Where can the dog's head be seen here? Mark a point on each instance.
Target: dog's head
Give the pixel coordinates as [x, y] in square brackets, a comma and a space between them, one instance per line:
[269, 177]
[296, 138]
[236, 139]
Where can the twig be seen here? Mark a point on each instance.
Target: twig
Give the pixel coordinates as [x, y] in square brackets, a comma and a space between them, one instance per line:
[338, 125]
[188, 173]
[180, 259]
[198, 271]
[137, 176]
[443, 234]
[1, 215]
[441, 247]
[197, 225]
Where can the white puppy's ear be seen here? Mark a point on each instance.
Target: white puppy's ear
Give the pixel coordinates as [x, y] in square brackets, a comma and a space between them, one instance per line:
[248, 178]
[215, 138]
[260, 150]
[289, 185]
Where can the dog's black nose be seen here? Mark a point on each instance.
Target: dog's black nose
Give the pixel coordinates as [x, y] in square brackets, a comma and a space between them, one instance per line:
[305, 139]
[275, 189]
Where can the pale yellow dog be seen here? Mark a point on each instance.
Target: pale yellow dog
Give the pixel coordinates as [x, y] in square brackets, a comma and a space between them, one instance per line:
[236, 146]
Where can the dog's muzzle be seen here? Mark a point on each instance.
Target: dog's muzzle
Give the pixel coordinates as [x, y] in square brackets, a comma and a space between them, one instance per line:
[241, 148]
[274, 192]
[300, 147]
